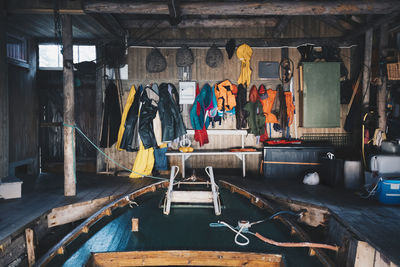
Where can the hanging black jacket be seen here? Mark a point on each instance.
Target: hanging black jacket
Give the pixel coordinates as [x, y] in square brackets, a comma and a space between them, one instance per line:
[130, 139]
[241, 114]
[171, 119]
[112, 116]
[148, 111]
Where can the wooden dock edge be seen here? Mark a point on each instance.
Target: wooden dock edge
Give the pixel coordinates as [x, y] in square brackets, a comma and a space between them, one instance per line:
[354, 251]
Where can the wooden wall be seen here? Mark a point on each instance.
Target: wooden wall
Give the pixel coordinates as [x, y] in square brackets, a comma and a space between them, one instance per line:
[3, 102]
[202, 73]
[298, 27]
[24, 111]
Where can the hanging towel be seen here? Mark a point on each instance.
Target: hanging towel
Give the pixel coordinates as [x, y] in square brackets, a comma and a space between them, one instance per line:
[244, 53]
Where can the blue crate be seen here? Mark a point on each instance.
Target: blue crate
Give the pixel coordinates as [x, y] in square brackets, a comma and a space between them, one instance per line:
[388, 191]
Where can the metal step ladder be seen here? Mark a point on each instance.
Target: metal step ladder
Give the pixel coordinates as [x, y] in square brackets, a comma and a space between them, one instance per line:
[191, 196]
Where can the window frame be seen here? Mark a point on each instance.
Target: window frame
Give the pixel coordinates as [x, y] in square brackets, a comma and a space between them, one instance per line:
[24, 43]
[61, 67]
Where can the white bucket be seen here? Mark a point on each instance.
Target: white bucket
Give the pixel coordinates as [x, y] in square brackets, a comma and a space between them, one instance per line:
[352, 175]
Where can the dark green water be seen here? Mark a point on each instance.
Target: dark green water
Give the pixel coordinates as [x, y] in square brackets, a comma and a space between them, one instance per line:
[183, 229]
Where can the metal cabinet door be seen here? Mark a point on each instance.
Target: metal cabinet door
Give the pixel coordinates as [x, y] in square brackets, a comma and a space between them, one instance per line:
[321, 94]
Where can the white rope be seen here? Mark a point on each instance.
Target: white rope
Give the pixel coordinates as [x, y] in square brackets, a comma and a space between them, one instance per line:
[238, 233]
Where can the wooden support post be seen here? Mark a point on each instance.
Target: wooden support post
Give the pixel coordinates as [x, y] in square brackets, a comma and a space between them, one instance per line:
[69, 105]
[30, 248]
[100, 163]
[383, 43]
[4, 125]
[367, 66]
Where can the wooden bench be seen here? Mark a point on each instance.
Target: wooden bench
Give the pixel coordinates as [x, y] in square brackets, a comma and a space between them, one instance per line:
[241, 155]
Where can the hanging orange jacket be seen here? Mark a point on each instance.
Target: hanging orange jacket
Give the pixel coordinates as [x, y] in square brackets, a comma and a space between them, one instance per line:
[226, 92]
[289, 107]
[267, 99]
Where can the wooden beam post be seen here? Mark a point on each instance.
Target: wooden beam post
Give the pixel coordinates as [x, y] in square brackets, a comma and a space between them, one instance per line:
[383, 43]
[30, 247]
[367, 66]
[100, 162]
[174, 12]
[4, 125]
[69, 106]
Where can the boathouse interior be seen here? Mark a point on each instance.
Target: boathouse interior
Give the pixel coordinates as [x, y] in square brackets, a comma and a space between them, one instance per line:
[296, 102]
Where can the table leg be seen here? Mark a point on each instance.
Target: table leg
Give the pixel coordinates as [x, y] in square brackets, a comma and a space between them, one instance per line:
[244, 164]
[183, 166]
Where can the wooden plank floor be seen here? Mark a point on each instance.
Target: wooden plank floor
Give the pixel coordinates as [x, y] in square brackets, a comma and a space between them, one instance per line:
[370, 221]
[47, 193]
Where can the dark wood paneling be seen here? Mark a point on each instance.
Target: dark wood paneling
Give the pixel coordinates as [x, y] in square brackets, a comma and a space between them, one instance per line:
[23, 108]
[3, 102]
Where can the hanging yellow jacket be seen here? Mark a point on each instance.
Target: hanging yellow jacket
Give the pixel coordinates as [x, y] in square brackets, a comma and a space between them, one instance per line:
[144, 162]
[225, 93]
[244, 53]
[128, 105]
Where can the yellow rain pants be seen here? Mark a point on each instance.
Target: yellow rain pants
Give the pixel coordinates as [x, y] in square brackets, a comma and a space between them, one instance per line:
[128, 105]
[244, 53]
[144, 162]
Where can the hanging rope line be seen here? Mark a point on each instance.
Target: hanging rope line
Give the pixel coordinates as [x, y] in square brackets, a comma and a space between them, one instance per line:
[105, 155]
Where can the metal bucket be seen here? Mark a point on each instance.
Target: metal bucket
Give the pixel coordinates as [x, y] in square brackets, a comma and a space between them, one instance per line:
[353, 179]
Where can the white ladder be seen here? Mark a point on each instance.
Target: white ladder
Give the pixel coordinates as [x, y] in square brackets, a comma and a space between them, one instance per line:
[192, 196]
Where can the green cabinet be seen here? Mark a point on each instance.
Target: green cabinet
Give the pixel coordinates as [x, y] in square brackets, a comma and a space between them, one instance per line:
[320, 94]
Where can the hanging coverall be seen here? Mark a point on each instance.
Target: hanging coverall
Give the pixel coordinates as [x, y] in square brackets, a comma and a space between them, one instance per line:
[290, 108]
[200, 122]
[149, 100]
[171, 118]
[128, 137]
[241, 115]
[256, 117]
[244, 53]
[267, 98]
[111, 116]
[144, 162]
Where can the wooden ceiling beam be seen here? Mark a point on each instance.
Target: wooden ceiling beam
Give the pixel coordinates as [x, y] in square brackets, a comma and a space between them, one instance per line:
[246, 8]
[109, 23]
[283, 22]
[333, 21]
[374, 24]
[206, 23]
[253, 42]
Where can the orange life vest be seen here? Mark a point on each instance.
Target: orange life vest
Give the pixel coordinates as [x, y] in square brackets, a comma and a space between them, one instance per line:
[226, 92]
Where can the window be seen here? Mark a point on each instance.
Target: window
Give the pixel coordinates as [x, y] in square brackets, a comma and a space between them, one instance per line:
[16, 49]
[50, 56]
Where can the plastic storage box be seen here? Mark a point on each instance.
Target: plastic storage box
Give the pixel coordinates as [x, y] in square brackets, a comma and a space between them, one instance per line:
[292, 162]
[388, 191]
